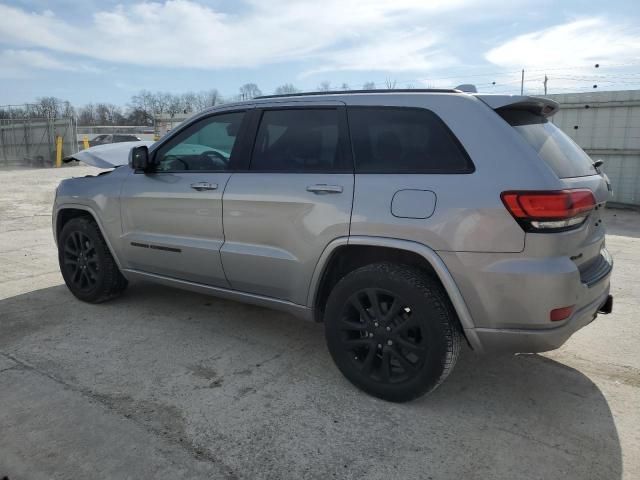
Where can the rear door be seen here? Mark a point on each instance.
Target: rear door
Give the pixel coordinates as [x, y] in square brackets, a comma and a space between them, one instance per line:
[295, 199]
[172, 218]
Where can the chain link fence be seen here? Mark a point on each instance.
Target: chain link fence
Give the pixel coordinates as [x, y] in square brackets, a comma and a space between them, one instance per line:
[31, 142]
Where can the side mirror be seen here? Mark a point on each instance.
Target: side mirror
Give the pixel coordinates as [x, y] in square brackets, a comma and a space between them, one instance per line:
[139, 158]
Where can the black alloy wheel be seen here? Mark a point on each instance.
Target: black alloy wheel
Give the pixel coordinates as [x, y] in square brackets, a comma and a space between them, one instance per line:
[392, 331]
[81, 261]
[86, 264]
[386, 341]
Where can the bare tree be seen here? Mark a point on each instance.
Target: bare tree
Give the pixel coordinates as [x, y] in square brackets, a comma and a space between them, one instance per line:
[175, 104]
[324, 86]
[206, 99]
[67, 109]
[116, 115]
[249, 91]
[390, 83]
[369, 86]
[103, 114]
[345, 86]
[188, 102]
[144, 101]
[285, 89]
[138, 116]
[86, 115]
[47, 107]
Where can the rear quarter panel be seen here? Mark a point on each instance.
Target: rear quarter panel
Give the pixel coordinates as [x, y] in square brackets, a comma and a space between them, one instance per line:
[469, 214]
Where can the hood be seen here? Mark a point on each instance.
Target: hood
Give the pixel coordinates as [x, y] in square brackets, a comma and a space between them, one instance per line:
[106, 156]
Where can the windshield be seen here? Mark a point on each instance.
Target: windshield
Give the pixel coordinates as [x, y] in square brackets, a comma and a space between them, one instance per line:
[561, 153]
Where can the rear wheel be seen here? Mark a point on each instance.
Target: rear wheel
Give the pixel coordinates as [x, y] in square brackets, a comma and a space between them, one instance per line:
[87, 266]
[392, 331]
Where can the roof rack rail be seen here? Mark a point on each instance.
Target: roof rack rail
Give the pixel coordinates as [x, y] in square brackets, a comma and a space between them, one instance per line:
[381, 90]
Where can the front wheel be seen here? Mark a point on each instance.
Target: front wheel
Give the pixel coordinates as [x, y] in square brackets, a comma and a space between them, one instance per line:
[392, 331]
[87, 266]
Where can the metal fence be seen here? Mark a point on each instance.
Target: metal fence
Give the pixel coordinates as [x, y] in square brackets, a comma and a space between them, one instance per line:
[32, 141]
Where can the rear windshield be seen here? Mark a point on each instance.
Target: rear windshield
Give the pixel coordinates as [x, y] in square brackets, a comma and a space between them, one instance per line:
[561, 153]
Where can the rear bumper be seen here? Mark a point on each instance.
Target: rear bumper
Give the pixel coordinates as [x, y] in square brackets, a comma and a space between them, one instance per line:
[510, 298]
[531, 341]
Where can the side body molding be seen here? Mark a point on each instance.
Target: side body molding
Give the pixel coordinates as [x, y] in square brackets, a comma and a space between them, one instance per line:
[427, 253]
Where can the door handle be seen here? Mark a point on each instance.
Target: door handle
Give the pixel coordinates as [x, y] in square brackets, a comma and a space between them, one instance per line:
[323, 189]
[201, 186]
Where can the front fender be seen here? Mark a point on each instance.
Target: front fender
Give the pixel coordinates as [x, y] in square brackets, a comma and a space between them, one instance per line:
[57, 210]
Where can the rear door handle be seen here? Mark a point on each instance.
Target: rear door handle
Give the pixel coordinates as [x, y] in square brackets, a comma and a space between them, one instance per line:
[201, 186]
[322, 189]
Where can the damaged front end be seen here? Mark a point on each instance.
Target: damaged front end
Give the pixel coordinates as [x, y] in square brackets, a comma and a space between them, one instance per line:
[110, 155]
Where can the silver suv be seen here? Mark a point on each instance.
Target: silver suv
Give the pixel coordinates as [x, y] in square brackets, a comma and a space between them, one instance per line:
[408, 222]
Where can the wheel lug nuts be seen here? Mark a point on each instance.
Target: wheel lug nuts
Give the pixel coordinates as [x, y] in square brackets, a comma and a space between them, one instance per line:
[389, 342]
[379, 345]
[388, 329]
[375, 324]
[371, 334]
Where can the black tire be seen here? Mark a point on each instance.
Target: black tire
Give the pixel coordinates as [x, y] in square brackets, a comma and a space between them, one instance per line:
[401, 349]
[87, 266]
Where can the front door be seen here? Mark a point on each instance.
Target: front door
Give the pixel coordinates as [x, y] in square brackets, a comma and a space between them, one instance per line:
[296, 198]
[172, 218]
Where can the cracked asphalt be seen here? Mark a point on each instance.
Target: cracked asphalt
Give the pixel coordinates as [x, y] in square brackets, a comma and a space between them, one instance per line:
[172, 384]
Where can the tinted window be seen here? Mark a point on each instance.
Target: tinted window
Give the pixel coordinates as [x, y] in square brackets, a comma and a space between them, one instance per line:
[300, 140]
[564, 157]
[206, 145]
[389, 140]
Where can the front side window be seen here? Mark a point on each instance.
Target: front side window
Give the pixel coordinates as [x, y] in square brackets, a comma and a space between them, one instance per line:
[205, 145]
[404, 140]
[300, 140]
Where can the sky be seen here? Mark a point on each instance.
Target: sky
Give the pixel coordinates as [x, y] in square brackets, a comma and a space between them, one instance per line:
[107, 51]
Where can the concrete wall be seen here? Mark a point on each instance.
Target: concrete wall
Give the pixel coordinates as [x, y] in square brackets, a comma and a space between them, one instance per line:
[607, 126]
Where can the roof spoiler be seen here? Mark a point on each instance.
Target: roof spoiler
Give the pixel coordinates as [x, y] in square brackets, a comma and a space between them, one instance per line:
[538, 105]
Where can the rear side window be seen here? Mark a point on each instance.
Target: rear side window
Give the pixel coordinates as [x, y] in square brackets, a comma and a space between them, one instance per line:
[404, 140]
[301, 140]
[561, 153]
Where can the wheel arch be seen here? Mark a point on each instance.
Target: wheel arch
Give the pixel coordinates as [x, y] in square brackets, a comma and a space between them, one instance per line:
[345, 254]
[66, 212]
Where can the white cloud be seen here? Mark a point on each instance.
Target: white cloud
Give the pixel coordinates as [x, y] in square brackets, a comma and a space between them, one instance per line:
[395, 52]
[335, 34]
[20, 63]
[577, 43]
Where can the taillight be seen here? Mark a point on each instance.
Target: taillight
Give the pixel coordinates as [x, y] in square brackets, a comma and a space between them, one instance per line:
[549, 211]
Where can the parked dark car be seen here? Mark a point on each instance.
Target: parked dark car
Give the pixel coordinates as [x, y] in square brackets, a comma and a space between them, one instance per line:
[115, 138]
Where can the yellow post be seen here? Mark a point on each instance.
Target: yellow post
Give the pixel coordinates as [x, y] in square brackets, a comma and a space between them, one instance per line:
[59, 151]
[85, 142]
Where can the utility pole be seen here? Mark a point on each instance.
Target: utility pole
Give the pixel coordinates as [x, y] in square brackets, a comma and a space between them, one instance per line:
[522, 83]
[545, 83]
